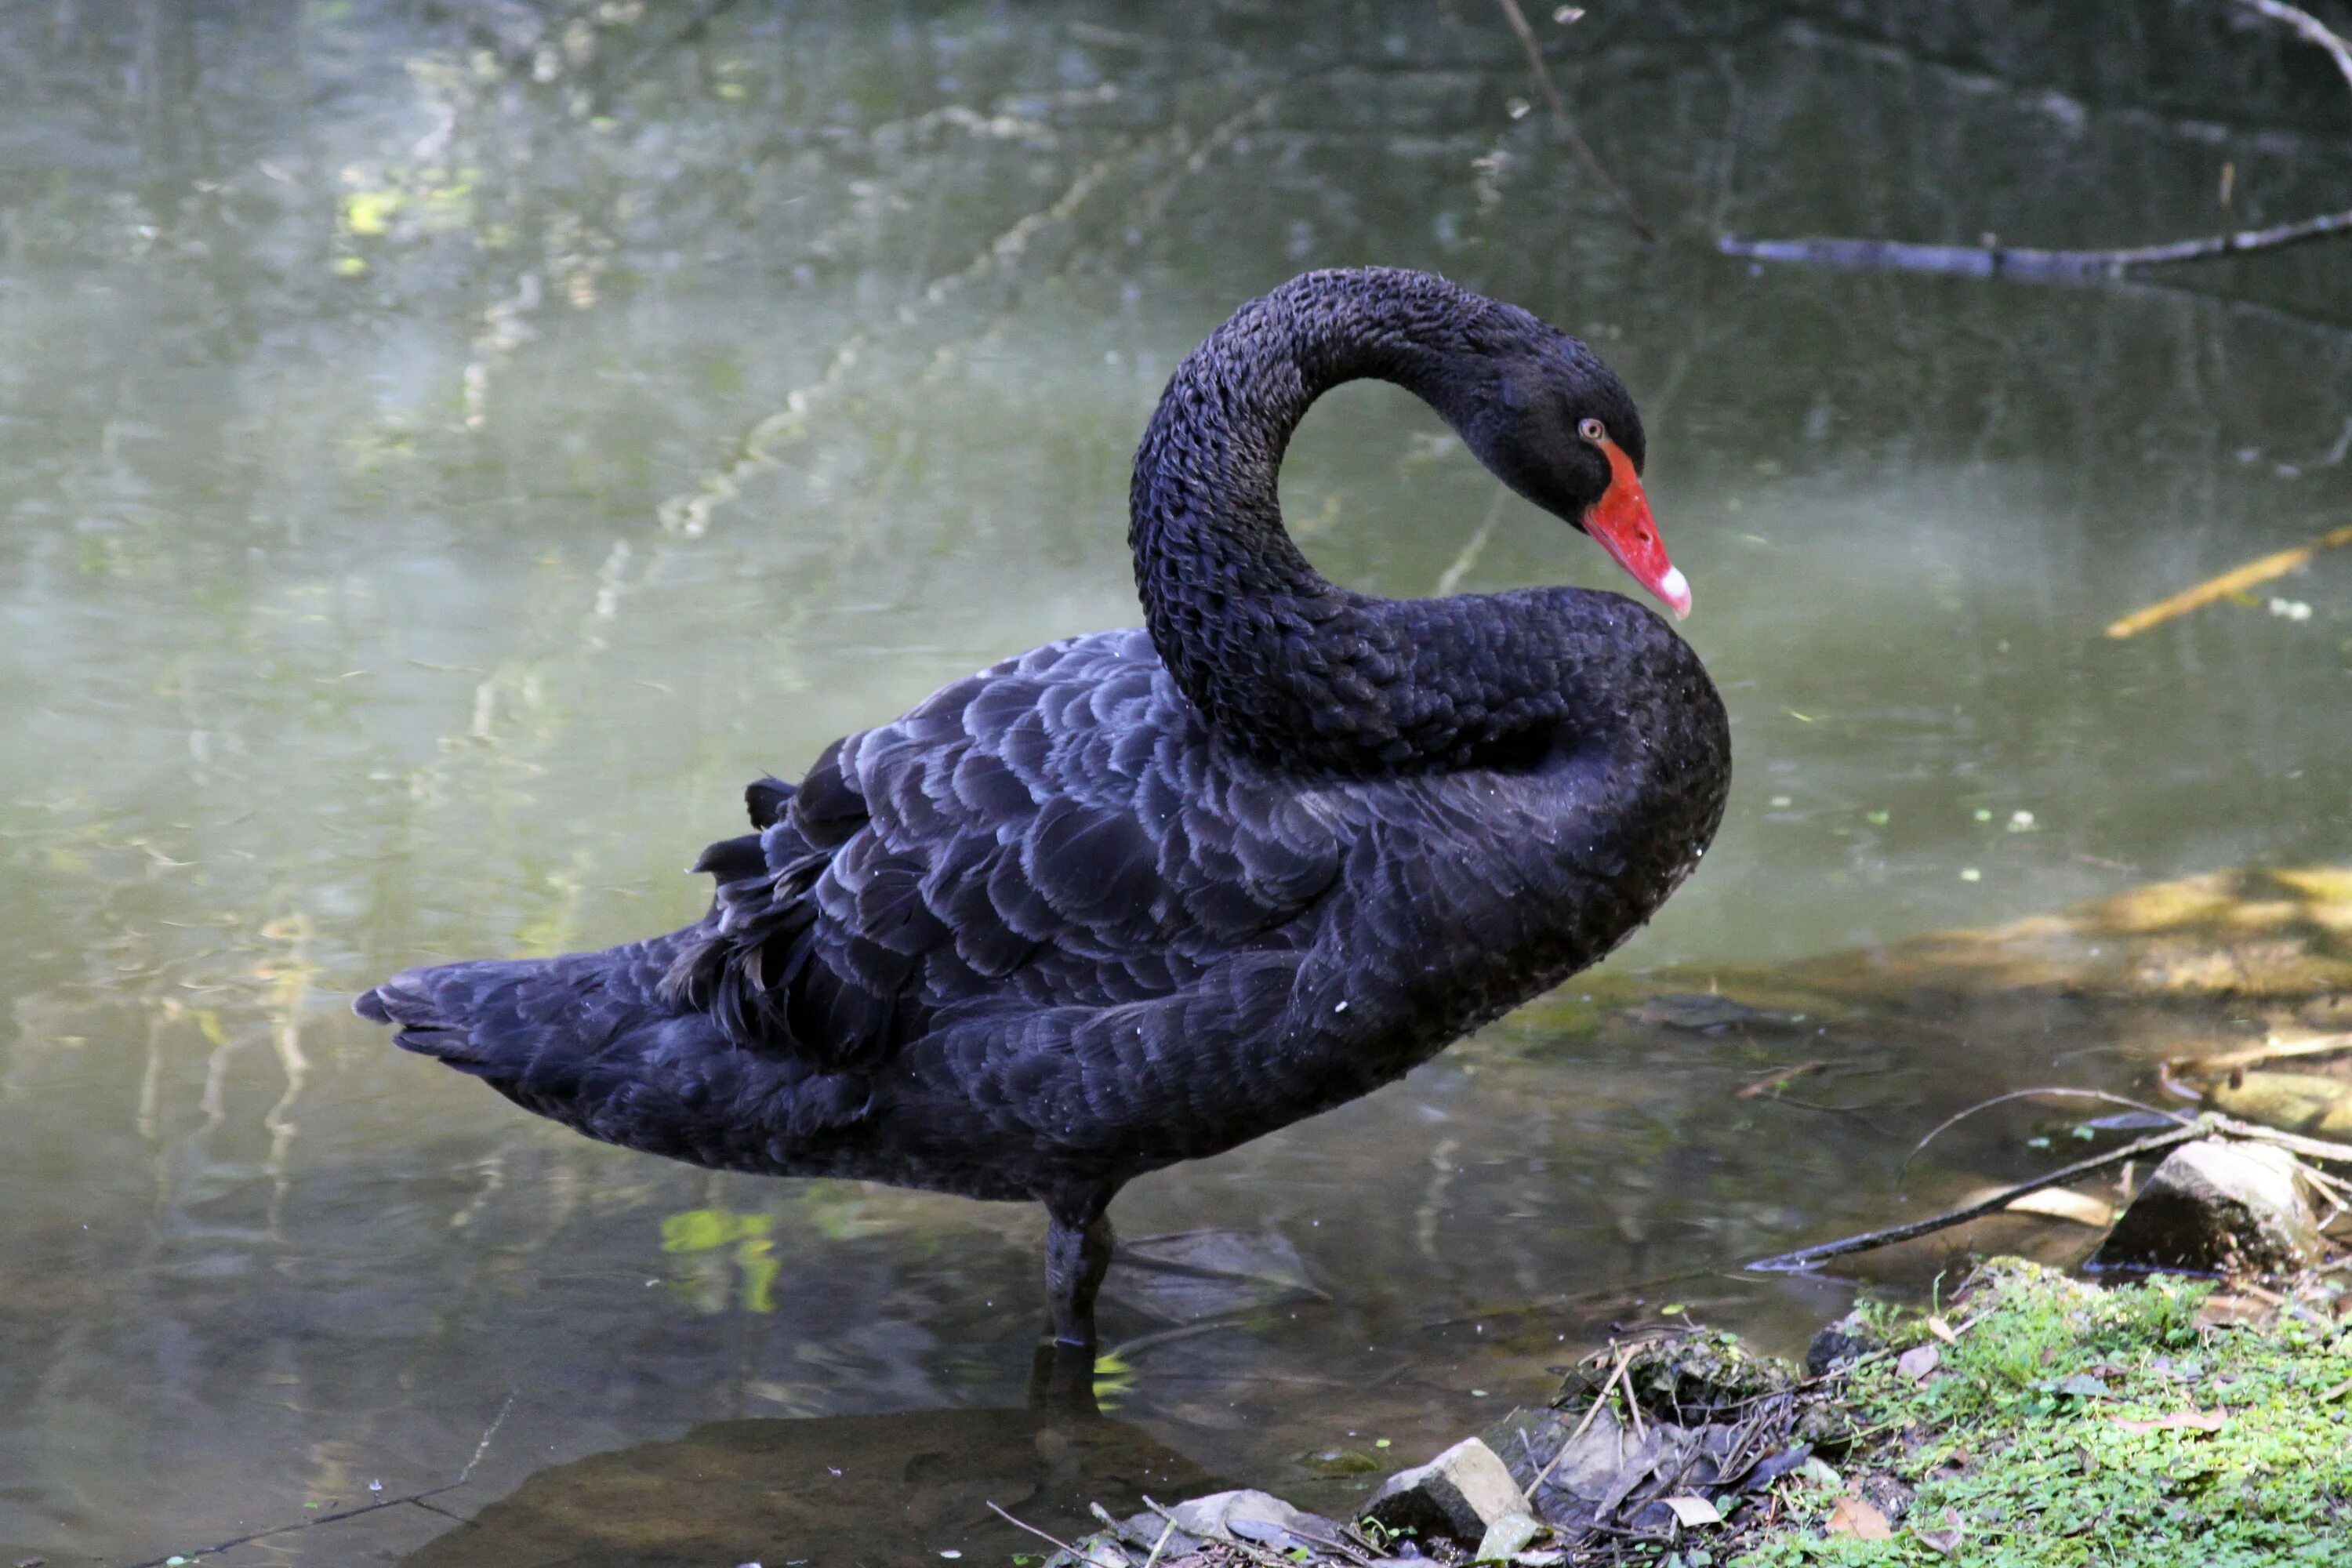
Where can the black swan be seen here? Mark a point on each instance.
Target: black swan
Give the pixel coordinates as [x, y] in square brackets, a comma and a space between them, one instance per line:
[1141, 896]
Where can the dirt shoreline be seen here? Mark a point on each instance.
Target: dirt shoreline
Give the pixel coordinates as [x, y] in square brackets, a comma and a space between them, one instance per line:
[2028, 1417]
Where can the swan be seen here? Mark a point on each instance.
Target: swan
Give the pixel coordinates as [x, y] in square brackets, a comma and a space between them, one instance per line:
[1140, 896]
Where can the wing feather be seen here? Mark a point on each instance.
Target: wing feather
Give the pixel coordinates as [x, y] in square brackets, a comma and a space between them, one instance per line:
[1061, 828]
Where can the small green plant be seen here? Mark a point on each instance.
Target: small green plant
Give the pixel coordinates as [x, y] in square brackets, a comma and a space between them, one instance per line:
[2063, 1426]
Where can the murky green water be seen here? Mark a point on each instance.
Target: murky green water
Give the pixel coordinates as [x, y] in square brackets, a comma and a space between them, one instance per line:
[445, 455]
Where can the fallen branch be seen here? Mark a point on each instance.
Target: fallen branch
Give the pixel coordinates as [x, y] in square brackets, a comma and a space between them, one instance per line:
[1560, 118]
[1805, 1257]
[1990, 260]
[2334, 1154]
[2026, 262]
[2237, 580]
[2203, 1127]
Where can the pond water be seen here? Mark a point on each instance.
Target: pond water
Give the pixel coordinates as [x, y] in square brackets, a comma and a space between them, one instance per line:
[445, 452]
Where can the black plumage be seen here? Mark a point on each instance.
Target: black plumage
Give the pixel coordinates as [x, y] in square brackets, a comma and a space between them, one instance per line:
[1140, 896]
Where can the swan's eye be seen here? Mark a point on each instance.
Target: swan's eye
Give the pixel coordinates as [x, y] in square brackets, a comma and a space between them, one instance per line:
[1592, 430]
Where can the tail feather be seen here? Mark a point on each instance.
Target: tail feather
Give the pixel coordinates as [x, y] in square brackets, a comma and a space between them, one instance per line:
[473, 1017]
[541, 1020]
[589, 1040]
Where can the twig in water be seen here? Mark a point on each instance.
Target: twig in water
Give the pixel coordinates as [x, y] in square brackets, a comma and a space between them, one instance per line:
[1805, 1257]
[483, 1447]
[1993, 260]
[1951, 1122]
[1561, 117]
[1055, 1540]
[1770, 1086]
[377, 1505]
[2235, 581]
[1452, 578]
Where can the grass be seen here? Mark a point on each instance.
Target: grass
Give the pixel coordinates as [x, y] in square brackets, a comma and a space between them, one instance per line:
[2018, 1440]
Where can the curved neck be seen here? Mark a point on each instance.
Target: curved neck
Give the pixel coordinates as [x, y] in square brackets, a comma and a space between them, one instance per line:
[1279, 660]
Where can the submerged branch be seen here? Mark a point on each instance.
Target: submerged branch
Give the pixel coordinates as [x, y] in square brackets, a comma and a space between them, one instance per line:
[2237, 580]
[1585, 156]
[2027, 262]
[420, 1499]
[2031, 264]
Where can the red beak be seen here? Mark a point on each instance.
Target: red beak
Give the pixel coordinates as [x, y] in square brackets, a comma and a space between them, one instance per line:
[1621, 521]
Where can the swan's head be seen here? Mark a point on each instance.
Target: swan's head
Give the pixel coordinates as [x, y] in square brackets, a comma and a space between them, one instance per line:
[1557, 427]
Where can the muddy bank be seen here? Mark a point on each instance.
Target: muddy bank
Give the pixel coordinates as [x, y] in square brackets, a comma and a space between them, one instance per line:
[2026, 1417]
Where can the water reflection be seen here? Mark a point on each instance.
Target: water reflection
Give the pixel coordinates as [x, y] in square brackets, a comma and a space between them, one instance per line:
[894, 1489]
[445, 454]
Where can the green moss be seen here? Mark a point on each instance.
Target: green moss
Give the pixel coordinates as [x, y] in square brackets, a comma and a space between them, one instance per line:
[2018, 1439]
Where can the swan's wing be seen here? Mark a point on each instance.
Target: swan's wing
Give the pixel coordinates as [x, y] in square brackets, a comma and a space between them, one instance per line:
[1059, 830]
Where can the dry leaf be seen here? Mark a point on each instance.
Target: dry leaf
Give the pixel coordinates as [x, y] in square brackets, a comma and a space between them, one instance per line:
[2221, 1310]
[2057, 1203]
[1919, 1361]
[1942, 1331]
[2179, 1420]
[1694, 1510]
[1946, 1541]
[1854, 1517]
[2308, 1103]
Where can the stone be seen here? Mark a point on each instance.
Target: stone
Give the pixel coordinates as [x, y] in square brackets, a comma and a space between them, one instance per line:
[1507, 1537]
[1332, 1463]
[1461, 1494]
[1844, 1342]
[2217, 1208]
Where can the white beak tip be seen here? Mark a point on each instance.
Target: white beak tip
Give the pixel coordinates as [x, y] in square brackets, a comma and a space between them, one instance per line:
[1675, 589]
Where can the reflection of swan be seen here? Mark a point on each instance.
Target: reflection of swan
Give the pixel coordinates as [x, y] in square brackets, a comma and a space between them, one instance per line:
[1142, 896]
[835, 1488]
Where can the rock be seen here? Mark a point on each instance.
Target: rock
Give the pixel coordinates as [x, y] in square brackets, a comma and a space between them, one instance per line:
[1824, 1424]
[1842, 1343]
[1505, 1537]
[1524, 1439]
[1334, 1463]
[1461, 1494]
[2217, 1208]
[1890, 1496]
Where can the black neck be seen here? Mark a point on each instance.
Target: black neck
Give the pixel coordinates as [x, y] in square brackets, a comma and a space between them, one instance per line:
[1281, 661]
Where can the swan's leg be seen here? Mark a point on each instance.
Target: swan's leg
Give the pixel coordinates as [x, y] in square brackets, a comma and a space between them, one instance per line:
[1077, 1252]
